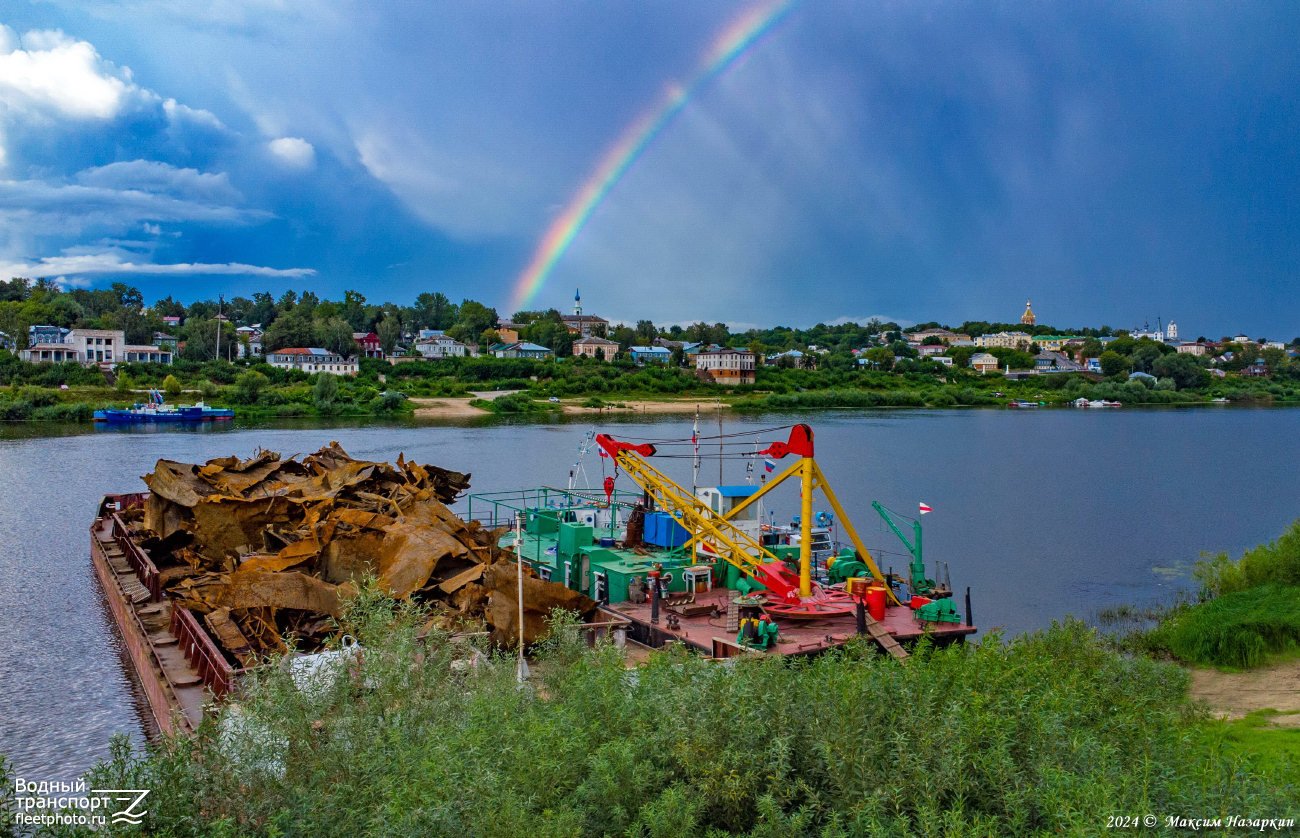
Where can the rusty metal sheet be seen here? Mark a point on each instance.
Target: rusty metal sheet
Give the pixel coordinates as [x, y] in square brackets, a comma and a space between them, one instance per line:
[462, 579]
[178, 483]
[289, 589]
[227, 526]
[540, 598]
[291, 556]
[409, 554]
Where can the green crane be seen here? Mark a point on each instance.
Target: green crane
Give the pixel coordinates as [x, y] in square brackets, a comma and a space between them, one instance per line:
[941, 609]
[916, 569]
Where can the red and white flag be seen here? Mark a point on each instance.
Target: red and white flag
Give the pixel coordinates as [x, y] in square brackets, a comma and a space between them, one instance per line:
[925, 508]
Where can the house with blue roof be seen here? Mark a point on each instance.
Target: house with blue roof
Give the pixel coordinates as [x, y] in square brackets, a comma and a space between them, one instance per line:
[644, 354]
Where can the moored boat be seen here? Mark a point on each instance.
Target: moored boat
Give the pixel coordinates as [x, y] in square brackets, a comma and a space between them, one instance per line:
[147, 413]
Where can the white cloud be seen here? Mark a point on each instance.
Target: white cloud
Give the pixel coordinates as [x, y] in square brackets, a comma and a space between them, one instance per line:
[52, 73]
[293, 151]
[177, 112]
[129, 206]
[114, 263]
[156, 177]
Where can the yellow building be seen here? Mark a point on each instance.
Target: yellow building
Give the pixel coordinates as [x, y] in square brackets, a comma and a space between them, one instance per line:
[1004, 340]
[1053, 343]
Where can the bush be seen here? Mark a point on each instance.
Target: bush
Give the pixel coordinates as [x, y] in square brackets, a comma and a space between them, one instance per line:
[1047, 734]
[171, 387]
[38, 396]
[1276, 562]
[1239, 629]
[389, 402]
[249, 386]
[325, 392]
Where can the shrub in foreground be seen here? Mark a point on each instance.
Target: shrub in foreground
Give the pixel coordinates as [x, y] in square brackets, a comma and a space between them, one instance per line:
[1049, 733]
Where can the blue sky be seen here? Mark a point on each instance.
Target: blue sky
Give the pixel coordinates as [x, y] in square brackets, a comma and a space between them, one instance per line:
[914, 161]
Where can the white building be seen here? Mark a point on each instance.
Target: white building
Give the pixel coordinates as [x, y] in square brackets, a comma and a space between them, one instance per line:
[313, 360]
[105, 347]
[440, 346]
[728, 366]
[254, 335]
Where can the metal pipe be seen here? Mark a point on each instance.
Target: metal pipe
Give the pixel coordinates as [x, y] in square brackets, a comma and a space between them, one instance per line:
[969, 621]
[805, 530]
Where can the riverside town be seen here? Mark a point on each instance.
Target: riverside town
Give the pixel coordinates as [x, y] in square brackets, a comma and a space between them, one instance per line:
[640, 419]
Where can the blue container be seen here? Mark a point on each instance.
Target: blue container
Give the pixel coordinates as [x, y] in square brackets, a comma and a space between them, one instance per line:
[606, 541]
[662, 531]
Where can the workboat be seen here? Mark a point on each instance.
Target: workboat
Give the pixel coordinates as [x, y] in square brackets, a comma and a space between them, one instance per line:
[1022, 403]
[702, 568]
[156, 412]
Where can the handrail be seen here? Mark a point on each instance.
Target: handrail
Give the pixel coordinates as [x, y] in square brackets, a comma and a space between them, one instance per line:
[145, 570]
[199, 650]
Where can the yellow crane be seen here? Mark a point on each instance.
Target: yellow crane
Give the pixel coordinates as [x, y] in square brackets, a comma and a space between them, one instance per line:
[720, 536]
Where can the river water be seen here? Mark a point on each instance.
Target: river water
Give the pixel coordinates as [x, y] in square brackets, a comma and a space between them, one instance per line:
[1041, 513]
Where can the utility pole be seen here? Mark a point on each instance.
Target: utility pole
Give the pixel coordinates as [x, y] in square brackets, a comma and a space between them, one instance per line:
[221, 300]
[719, 442]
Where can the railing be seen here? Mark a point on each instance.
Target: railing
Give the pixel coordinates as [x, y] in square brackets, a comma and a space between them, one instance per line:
[498, 509]
[202, 653]
[145, 570]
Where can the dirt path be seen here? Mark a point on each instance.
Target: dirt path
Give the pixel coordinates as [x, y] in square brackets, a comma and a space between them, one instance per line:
[671, 406]
[1234, 694]
[445, 408]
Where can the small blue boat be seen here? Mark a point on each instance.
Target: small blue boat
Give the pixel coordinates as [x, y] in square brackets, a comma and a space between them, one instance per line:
[157, 412]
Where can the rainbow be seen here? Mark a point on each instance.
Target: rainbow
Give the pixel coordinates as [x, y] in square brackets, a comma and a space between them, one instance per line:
[741, 34]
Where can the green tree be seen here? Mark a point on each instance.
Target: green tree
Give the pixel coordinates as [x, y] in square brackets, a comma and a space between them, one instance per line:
[291, 330]
[645, 333]
[249, 385]
[1091, 348]
[390, 332]
[335, 335]
[1184, 370]
[881, 356]
[355, 311]
[476, 317]
[625, 337]
[961, 355]
[171, 387]
[326, 391]
[1113, 364]
[433, 311]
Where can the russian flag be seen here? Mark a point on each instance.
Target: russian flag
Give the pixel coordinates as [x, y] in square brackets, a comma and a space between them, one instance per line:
[925, 508]
[770, 465]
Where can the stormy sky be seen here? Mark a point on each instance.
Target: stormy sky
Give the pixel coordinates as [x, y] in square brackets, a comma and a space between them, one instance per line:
[914, 161]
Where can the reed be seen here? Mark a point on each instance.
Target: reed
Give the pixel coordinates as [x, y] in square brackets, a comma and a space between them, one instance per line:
[1046, 733]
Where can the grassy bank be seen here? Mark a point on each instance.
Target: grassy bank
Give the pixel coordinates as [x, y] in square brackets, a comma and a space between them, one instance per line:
[1049, 733]
[1247, 613]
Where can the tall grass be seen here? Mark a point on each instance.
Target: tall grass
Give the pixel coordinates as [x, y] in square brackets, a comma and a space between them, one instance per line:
[1048, 733]
[1275, 562]
[1240, 629]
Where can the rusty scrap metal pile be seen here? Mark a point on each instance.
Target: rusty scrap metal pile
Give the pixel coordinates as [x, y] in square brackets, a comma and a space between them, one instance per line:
[267, 548]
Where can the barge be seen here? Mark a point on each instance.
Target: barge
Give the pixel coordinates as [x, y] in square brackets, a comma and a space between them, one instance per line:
[178, 666]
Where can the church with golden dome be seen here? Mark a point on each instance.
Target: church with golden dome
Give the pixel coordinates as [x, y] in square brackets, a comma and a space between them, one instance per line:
[1028, 317]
